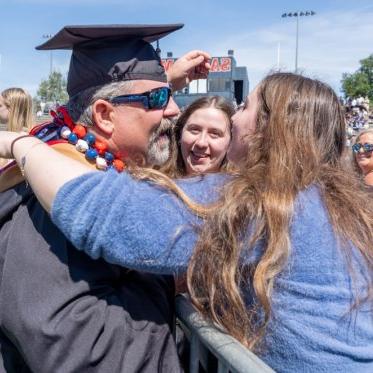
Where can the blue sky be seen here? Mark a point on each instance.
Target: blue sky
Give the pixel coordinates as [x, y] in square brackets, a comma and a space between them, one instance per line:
[330, 43]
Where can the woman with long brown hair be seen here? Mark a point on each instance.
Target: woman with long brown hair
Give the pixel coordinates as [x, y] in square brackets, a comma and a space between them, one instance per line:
[200, 138]
[283, 261]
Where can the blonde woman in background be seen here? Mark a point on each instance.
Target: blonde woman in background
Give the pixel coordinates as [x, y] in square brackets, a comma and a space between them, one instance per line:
[15, 111]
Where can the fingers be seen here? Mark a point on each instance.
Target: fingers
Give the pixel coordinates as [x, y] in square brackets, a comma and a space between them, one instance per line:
[197, 53]
[203, 67]
[189, 65]
[199, 66]
[192, 65]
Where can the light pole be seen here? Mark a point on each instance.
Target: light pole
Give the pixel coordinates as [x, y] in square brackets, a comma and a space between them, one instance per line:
[48, 36]
[297, 15]
[158, 50]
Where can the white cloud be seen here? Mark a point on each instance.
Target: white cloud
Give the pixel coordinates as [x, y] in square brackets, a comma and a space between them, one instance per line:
[329, 45]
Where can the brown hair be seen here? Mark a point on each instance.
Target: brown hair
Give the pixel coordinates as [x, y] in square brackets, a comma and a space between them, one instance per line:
[299, 140]
[19, 103]
[175, 166]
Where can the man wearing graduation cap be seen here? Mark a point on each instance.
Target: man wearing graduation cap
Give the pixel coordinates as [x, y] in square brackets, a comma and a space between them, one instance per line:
[60, 310]
[119, 90]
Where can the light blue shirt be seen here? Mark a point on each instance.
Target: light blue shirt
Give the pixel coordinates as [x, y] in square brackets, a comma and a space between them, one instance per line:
[141, 226]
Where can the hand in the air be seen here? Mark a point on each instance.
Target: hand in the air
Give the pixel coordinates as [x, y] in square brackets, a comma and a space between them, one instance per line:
[193, 65]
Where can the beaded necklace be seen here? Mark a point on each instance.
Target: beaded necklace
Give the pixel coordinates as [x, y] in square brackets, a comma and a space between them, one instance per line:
[96, 151]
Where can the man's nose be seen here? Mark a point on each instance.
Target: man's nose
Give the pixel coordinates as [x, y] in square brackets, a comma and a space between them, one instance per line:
[171, 109]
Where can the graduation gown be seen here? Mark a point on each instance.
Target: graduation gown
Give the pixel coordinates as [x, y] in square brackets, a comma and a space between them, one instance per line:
[61, 311]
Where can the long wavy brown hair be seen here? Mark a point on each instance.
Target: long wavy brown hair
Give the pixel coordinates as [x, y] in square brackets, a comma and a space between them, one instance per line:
[175, 166]
[299, 140]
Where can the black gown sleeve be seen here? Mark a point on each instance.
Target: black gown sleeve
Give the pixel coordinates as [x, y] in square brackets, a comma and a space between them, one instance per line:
[62, 311]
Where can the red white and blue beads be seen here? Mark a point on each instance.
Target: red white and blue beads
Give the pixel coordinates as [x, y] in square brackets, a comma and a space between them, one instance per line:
[109, 157]
[91, 154]
[90, 138]
[80, 131]
[95, 150]
[65, 132]
[72, 138]
[101, 163]
[82, 146]
[118, 165]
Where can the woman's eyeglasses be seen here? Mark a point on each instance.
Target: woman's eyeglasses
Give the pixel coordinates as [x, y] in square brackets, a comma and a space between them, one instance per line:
[157, 98]
[362, 148]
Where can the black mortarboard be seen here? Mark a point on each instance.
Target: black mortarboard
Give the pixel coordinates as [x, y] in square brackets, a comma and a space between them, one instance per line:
[104, 54]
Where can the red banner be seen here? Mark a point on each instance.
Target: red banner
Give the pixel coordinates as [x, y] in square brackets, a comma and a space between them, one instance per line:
[218, 64]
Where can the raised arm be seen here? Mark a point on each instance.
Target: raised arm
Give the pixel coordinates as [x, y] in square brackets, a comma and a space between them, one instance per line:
[193, 65]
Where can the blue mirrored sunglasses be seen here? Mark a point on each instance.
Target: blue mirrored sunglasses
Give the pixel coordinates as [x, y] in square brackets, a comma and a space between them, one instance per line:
[157, 98]
[366, 148]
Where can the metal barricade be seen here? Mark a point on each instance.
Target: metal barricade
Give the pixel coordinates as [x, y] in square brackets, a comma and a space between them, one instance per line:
[205, 340]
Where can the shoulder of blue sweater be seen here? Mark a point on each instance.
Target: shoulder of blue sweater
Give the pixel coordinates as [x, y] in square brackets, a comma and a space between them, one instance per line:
[204, 188]
[310, 196]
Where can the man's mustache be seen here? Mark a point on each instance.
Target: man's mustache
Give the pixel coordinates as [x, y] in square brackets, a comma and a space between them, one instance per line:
[165, 128]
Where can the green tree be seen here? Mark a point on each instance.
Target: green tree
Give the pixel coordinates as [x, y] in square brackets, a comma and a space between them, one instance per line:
[53, 89]
[360, 83]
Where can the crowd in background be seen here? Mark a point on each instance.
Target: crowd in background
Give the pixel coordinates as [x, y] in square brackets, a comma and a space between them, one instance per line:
[359, 116]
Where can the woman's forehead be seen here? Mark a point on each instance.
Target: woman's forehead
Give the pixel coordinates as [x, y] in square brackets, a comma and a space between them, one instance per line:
[366, 137]
[210, 116]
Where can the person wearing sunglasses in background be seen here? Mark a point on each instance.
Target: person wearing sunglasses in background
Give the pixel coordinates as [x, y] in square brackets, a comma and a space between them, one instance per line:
[62, 311]
[363, 155]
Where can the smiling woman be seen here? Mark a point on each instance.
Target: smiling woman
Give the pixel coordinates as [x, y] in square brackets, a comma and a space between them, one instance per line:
[363, 155]
[201, 138]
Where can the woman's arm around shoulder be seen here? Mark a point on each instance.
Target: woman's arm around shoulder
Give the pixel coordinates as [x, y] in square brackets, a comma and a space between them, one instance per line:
[127, 222]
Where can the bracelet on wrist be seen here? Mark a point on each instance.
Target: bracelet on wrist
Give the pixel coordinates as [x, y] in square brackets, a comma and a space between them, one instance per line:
[22, 162]
[14, 141]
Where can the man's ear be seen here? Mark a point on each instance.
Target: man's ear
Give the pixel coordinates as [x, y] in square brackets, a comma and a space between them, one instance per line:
[102, 113]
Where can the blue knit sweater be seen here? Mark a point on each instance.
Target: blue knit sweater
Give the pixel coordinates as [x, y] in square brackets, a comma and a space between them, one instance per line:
[140, 226]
